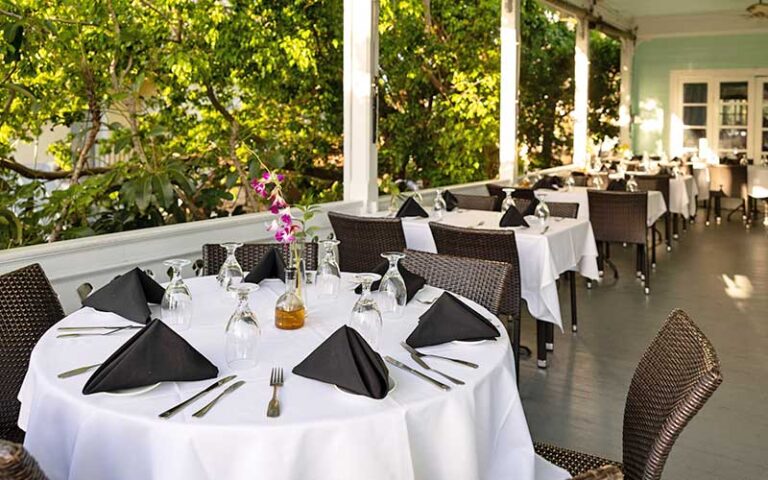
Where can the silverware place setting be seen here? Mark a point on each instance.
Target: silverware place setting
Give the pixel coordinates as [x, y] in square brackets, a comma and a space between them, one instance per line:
[417, 373]
[93, 331]
[201, 413]
[419, 354]
[425, 365]
[275, 381]
[78, 371]
[181, 406]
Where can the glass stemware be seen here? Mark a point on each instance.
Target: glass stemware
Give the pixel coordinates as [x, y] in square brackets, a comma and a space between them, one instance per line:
[392, 289]
[366, 316]
[176, 306]
[230, 273]
[439, 207]
[328, 277]
[509, 200]
[570, 182]
[632, 183]
[542, 210]
[243, 331]
[597, 182]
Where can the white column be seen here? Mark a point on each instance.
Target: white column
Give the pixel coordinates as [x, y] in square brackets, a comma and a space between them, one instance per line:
[510, 77]
[625, 105]
[361, 62]
[581, 98]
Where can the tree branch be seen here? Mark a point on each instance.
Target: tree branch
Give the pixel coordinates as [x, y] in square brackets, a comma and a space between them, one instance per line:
[35, 174]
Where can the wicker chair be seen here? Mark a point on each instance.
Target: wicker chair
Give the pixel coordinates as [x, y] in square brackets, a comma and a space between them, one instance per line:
[17, 464]
[674, 379]
[363, 239]
[659, 183]
[563, 209]
[28, 307]
[621, 217]
[497, 246]
[477, 202]
[250, 254]
[482, 281]
[523, 196]
[606, 472]
[727, 181]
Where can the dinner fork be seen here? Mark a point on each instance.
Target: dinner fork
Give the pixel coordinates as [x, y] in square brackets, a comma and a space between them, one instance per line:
[100, 334]
[275, 381]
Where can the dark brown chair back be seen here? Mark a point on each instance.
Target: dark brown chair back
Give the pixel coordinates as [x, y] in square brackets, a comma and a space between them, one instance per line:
[660, 183]
[483, 281]
[17, 464]
[728, 180]
[618, 216]
[494, 245]
[563, 209]
[28, 307]
[250, 254]
[674, 379]
[477, 202]
[364, 239]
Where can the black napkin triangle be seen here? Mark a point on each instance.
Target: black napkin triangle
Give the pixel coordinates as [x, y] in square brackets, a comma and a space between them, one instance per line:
[512, 218]
[411, 208]
[345, 359]
[413, 282]
[271, 265]
[451, 202]
[154, 354]
[127, 296]
[531, 209]
[550, 182]
[619, 185]
[450, 319]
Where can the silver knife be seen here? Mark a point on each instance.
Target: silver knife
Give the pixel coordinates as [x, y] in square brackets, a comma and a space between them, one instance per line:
[105, 327]
[201, 413]
[174, 410]
[78, 371]
[454, 360]
[408, 369]
[426, 366]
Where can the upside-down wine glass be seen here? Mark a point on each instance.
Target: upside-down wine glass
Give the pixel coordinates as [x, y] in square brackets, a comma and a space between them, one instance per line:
[392, 291]
[366, 316]
[542, 210]
[176, 306]
[328, 277]
[632, 183]
[509, 200]
[570, 182]
[243, 331]
[230, 273]
[439, 206]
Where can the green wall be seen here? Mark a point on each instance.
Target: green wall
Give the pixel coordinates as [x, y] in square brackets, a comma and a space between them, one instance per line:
[654, 59]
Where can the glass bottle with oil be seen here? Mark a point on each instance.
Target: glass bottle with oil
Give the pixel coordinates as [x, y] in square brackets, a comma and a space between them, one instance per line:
[289, 309]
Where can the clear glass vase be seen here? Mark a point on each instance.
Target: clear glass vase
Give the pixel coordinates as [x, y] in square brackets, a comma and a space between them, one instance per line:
[290, 311]
[243, 332]
[392, 292]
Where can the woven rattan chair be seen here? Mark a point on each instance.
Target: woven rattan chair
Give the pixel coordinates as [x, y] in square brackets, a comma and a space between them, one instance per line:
[17, 464]
[477, 202]
[483, 281]
[674, 379]
[727, 181]
[523, 196]
[364, 239]
[606, 472]
[28, 307]
[497, 246]
[659, 183]
[250, 254]
[563, 209]
[620, 217]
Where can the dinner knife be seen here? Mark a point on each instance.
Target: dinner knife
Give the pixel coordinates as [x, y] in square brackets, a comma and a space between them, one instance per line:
[201, 413]
[103, 327]
[454, 360]
[176, 409]
[78, 371]
[410, 370]
[426, 366]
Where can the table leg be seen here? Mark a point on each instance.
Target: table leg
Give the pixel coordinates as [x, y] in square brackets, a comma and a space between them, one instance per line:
[675, 233]
[550, 337]
[574, 319]
[541, 344]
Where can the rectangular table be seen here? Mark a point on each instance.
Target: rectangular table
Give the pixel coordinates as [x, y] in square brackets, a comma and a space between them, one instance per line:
[569, 244]
[656, 204]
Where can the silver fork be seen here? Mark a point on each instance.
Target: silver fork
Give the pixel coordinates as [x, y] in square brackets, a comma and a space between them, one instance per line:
[72, 335]
[275, 381]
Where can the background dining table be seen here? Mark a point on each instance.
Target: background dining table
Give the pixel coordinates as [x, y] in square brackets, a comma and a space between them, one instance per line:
[474, 431]
[657, 207]
[568, 244]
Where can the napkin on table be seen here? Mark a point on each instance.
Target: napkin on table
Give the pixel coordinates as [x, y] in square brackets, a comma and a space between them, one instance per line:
[411, 208]
[450, 319]
[271, 265]
[127, 295]
[512, 218]
[618, 185]
[451, 202]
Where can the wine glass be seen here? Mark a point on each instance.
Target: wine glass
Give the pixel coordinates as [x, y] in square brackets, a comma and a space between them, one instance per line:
[176, 306]
[328, 277]
[243, 331]
[366, 316]
[632, 183]
[439, 207]
[509, 200]
[230, 273]
[392, 289]
[570, 182]
[597, 182]
[542, 210]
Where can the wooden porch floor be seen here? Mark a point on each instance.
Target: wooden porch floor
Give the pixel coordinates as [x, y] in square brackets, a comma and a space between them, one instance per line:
[579, 401]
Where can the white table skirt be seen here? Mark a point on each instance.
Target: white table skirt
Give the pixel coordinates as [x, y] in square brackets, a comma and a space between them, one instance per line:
[656, 204]
[757, 181]
[682, 195]
[569, 244]
[701, 175]
[475, 431]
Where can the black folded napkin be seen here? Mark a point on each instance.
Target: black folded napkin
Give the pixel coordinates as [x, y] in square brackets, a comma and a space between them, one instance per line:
[451, 202]
[271, 265]
[345, 359]
[411, 208]
[512, 218]
[413, 282]
[618, 185]
[450, 319]
[127, 295]
[155, 354]
[551, 182]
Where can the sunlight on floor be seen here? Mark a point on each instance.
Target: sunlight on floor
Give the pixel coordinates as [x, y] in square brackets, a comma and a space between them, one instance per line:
[739, 287]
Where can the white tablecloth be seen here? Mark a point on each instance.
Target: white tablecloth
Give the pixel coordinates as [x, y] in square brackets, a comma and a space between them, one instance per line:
[475, 431]
[701, 174]
[569, 244]
[682, 195]
[757, 181]
[656, 204]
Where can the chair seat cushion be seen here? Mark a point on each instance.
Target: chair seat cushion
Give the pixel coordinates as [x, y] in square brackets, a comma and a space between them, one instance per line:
[575, 462]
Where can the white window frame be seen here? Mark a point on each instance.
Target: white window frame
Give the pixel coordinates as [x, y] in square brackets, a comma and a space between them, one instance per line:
[713, 78]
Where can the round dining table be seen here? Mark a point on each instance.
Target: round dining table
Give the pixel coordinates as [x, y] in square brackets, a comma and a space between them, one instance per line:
[474, 431]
